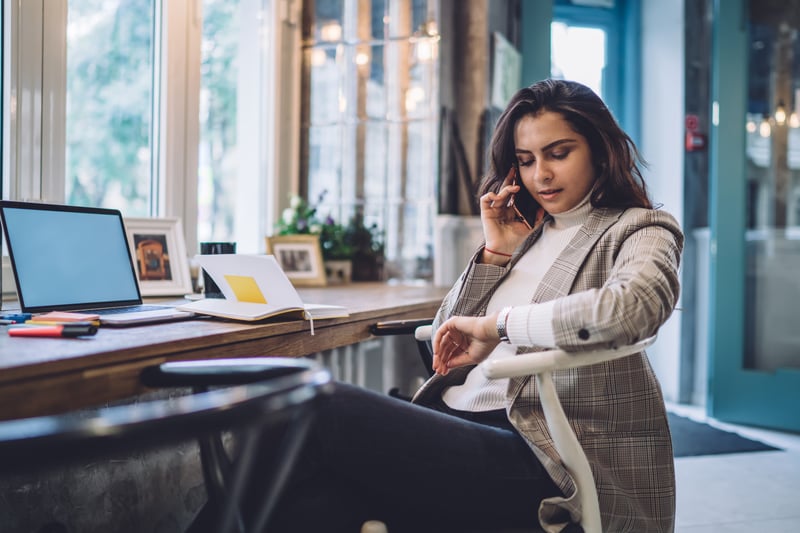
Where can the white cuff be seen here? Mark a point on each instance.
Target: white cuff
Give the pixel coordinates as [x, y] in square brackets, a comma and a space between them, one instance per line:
[531, 325]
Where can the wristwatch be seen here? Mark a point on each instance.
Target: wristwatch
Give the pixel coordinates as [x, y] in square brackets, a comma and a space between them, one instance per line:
[502, 323]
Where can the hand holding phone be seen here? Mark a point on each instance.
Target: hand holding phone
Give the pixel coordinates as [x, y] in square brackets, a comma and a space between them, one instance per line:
[524, 205]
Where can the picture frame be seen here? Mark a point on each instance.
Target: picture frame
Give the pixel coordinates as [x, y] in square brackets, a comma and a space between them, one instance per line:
[300, 257]
[158, 250]
[506, 71]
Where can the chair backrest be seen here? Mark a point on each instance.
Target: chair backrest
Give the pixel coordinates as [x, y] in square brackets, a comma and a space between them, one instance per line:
[268, 390]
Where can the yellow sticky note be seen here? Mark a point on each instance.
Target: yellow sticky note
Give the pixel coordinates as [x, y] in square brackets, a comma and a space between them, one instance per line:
[246, 289]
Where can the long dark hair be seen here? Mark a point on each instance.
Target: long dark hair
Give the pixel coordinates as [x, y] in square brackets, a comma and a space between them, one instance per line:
[616, 159]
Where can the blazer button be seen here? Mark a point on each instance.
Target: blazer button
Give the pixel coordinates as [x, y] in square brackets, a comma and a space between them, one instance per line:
[583, 334]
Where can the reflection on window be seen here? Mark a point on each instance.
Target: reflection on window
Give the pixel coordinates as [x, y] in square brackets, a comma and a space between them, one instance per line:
[109, 123]
[578, 54]
[369, 120]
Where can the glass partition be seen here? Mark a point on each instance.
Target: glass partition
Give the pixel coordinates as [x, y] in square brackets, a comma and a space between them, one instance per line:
[772, 156]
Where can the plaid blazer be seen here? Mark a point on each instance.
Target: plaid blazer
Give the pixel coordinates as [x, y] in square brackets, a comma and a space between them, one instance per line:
[616, 282]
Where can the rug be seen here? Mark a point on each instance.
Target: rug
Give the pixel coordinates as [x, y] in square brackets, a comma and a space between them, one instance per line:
[690, 438]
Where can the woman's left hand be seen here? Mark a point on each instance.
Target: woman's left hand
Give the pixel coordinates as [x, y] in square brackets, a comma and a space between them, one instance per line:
[464, 340]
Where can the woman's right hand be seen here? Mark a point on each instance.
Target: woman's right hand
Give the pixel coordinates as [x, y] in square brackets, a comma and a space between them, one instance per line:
[502, 228]
[464, 340]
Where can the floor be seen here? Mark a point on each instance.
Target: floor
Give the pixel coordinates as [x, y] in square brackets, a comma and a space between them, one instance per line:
[737, 493]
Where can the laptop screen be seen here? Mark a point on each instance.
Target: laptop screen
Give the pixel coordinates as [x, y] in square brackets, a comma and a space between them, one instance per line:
[67, 257]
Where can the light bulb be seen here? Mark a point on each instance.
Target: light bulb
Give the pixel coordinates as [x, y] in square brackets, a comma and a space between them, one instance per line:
[362, 58]
[764, 128]
[318, 57]
[780, 114]
[330, 31]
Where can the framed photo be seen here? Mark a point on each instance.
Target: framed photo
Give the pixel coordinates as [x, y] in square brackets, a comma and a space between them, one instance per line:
[159, 256]
[300, 256]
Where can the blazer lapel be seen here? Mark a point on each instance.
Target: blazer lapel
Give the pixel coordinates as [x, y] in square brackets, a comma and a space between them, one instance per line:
[559, 279]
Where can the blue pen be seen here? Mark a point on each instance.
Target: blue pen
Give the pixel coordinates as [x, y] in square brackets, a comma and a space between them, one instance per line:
[18, 318]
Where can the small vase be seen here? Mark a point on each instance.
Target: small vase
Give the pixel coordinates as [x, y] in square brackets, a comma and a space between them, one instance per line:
[338, 271]
[368, 268]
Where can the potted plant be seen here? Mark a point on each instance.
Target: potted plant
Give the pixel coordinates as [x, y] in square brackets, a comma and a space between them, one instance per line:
[350, 251]
[367, 249]
[336, 251]
[300, 218]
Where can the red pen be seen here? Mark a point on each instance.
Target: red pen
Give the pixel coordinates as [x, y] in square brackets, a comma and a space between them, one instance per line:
[64, 330]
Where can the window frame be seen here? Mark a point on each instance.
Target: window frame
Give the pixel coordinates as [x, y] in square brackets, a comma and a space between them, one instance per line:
[621, 24]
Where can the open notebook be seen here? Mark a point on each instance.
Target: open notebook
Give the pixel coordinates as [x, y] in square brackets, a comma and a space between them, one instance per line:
[255, 288]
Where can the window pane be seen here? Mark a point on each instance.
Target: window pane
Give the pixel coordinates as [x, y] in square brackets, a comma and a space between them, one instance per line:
[325, 64]
[233, 124]
[328, 20]
[375, 86]
[578, 54]
[325, 161]
[217, 170]
[375, 158]
[109, 104]
[773, 193]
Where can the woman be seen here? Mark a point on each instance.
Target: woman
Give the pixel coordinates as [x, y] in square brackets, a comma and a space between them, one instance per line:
[586, 263]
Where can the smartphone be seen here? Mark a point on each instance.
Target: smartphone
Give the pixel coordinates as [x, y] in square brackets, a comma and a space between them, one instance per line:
[525, 205]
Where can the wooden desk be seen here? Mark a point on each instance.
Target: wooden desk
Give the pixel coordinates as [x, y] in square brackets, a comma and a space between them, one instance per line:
[50, 375]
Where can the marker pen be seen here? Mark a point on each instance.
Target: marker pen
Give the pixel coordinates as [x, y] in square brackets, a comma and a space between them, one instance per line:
[18, 318]
[65, 330]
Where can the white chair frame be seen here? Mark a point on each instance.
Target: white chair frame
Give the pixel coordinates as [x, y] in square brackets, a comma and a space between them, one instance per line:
[542, 365]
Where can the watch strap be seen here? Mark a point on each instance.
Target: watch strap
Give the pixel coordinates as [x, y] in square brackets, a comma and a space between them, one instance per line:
[502, 324]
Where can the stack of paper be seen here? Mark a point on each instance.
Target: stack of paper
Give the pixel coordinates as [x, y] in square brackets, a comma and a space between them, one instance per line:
[64, 317]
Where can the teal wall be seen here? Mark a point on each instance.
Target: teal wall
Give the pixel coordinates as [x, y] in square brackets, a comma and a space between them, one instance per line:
[535, 40]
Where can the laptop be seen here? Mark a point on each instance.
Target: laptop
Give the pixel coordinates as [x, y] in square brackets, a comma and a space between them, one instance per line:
[69, 258]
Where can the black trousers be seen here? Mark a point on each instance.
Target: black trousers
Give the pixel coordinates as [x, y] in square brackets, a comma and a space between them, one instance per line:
[374, 457]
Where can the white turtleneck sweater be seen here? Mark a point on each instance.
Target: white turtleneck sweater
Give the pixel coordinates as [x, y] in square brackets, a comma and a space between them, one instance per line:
[528, 324]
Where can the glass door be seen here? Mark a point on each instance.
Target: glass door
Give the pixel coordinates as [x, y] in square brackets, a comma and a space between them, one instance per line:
[755, 216]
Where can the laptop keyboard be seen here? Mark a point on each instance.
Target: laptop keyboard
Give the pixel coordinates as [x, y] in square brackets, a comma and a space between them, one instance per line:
[117, 310]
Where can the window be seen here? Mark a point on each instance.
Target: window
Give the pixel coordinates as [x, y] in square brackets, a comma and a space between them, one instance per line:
[579, 53]
[155, 107]
[370, 120]
[597, 44]
[772, 166]
[110, 89]
[234, 97]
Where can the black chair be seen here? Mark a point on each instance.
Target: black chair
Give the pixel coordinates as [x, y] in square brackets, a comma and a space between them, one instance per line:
[241, 396]
[420, 326]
